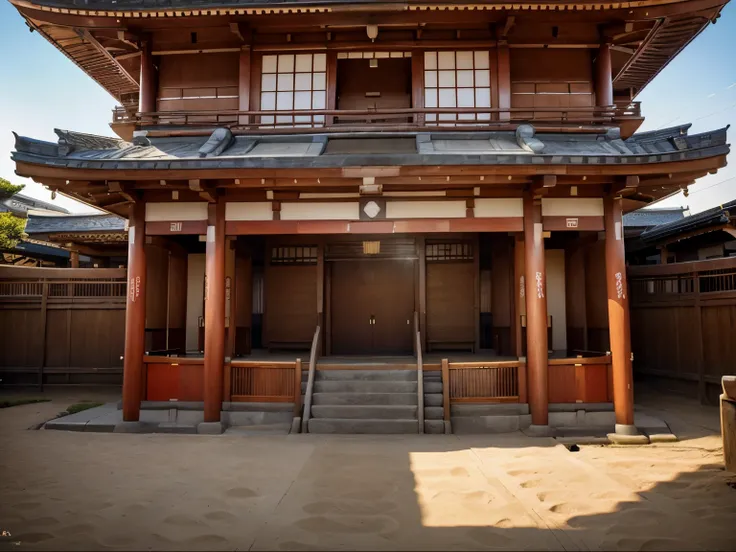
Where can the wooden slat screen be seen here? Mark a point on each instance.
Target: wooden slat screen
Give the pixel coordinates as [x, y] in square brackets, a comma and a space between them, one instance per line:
[484, 382]
[262, 382]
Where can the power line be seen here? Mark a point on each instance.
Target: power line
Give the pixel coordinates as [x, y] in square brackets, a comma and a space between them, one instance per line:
[712, 185]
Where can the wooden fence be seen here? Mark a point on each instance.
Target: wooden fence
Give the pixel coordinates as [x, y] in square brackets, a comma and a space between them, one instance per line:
[483, 381]
[61, 325]
[683, 323]
[255, 381]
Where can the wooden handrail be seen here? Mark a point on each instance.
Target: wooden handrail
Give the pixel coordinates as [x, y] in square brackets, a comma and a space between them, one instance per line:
[579, 360]
[490, 364]
[313, 354]
[446, 389]
[420, 374]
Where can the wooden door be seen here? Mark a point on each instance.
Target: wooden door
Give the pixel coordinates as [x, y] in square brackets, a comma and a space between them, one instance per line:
[351, 308]
[371, 303]
[393, 306]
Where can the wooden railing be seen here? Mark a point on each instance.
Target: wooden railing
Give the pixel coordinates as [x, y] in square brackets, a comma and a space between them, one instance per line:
[313, 356]
[582, 380]
[255, 381]
[407, 119]
[484, 381]
[420, 373]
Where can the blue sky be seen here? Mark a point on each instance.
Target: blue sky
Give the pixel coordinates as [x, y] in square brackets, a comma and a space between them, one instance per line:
[43, 90]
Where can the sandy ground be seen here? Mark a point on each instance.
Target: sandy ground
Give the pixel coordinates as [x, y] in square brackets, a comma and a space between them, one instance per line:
[85, 491]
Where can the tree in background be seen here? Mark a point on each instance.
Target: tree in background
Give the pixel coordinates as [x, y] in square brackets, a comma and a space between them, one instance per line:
[11, 227]
[7, 190]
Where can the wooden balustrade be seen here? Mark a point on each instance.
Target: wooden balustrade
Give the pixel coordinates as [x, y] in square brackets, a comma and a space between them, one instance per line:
[255, 381]
[409, 119]
[484, 381]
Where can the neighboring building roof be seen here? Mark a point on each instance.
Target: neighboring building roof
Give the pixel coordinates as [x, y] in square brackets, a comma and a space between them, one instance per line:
[74, 223]
[647, 218]
[20, 205]
[83, 151]
[716, 217]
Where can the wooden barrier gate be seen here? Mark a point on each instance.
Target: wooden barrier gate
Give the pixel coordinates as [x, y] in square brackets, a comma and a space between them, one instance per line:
[61, 325]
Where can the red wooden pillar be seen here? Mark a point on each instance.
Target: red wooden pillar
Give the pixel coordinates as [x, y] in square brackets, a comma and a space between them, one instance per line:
[135, 313]
[214, 311]
[148, 81]
[618, 318]
[603, 77]
[536, 310]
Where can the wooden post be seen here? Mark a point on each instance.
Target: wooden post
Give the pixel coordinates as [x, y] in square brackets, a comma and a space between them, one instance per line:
[230, 298]
[135, 313]
[536, 310]
[298, 387]
[244, 83]
[417, 85]
[214, 311]
[44, 330]
[331, 85]
[74, 259]
[518, 291]
[618, 317]
[422, 256]
[148, 81]
[699, 345]
[504, 80]
[603, 77]
[523, 394]
[446, 388]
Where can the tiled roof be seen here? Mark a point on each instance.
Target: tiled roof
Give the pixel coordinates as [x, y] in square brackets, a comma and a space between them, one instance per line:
[75, 223]
[716, 217]
[646, 218]
[21, 204]
[83, 151]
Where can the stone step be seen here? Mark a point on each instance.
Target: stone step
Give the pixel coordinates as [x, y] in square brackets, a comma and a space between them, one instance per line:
[433, 413]
[494, 409]
[432, 387]
[351, 426]
[366, 375]
[360, 386]
[267, 429]
[490, 424]
[365, 412]
[433, 399]
[369, 365]
[436, 427]
[432, 376]
[364, 398]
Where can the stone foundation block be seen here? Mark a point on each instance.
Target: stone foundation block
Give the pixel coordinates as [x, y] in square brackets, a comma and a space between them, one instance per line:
[210, 428]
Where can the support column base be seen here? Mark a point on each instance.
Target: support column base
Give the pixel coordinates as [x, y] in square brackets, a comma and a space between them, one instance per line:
[128, 427]
[539, 431]
[627, 438]
[626, 429]
[210, 428]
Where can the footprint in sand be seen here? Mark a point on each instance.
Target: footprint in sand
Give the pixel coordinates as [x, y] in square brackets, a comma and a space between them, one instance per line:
[208, 540]
[475, 497]
[521, 473]
[220, 515]
[42, 521]
[644, 544]
[74, 530]
[183, 520]
[349, 507]
[488, 536]
[352, 524]
[241, 492]
[531, 483]
[26, 538]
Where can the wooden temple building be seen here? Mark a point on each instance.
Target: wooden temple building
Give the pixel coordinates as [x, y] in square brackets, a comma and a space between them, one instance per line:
[434, 187]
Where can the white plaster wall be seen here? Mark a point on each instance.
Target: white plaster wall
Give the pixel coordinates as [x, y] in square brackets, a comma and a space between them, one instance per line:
[176, 211]
[580, 207]
[499, 207]
[320, 211]
[243, 210]
[195, 298]
[555, 259]
[425, 209]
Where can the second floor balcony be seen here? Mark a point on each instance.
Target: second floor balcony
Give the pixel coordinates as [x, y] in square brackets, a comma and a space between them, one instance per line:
[626, 115]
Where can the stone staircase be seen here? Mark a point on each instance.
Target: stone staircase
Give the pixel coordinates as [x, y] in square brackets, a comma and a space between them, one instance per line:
[370, 399]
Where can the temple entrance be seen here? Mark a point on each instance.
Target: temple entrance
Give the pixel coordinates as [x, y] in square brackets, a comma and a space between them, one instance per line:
[372, 304]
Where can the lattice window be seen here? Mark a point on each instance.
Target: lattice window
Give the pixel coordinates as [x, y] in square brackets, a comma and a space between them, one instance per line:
[292, 82]
[457, 79]
[294, 255]
[449, 251]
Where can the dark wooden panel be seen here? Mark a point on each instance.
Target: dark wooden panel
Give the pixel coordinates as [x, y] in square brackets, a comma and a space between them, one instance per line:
[21, 337]
[450, 303]
[393, 305]
[388, 85]
[290, 304]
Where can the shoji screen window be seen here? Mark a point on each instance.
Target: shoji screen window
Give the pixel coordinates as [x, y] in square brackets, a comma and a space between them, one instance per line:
[292, 82]
[457, 79]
